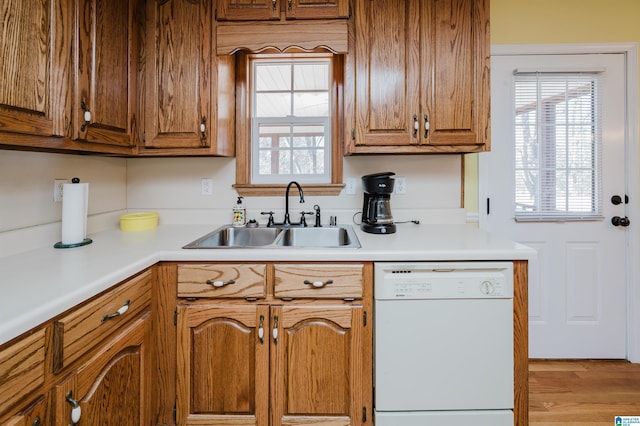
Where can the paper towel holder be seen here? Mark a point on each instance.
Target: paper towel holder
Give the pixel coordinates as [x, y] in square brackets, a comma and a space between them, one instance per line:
[84, 242]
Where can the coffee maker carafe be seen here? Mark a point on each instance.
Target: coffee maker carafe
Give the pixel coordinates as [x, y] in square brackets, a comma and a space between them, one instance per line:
[376, 208]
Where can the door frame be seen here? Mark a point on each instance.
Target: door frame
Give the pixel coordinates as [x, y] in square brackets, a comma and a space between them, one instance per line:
[630, 51]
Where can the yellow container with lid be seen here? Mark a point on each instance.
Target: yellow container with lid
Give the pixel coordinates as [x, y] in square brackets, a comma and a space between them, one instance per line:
[143, 221]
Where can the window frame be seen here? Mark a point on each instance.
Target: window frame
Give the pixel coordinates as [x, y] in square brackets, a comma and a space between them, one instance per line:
[244, 185]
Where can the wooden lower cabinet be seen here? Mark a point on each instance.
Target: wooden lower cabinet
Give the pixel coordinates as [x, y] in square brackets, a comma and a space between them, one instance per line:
[34, 414]
[316, 365]
[112, 386]
[276, 361]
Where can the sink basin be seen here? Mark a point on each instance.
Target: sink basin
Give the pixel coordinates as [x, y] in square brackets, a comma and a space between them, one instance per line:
[277, 237]
[228, 236]
[318, 237]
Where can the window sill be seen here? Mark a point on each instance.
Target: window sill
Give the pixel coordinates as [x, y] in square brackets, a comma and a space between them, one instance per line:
[249, 190]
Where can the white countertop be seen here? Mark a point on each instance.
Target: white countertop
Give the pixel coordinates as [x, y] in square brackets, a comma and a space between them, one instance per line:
[40, 284]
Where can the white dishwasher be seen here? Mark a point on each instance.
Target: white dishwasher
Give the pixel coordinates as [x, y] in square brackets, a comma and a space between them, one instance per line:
[443, 347]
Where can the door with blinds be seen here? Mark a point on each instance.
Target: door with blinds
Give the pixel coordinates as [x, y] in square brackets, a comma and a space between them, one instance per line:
[554, 180]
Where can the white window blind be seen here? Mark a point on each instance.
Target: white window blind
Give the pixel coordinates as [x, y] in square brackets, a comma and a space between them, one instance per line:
[557, 146]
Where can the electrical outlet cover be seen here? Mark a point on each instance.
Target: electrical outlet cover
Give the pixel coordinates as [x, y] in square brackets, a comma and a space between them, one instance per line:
[57, 189]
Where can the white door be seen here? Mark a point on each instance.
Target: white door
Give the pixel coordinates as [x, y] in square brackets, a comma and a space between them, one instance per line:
[577, 284]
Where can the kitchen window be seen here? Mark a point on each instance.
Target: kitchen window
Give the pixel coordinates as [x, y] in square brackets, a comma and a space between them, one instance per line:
[557, 146]
[290, 131]
[287, 123]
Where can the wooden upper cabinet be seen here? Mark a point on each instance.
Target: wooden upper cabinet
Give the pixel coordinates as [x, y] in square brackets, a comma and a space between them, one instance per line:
[34, 47]
[420, 76]
[248, 10]
[260, 10]
[106, 55]
[189, 99]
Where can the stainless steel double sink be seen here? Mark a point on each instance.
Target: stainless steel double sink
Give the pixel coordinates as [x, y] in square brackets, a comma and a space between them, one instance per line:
[341, 236]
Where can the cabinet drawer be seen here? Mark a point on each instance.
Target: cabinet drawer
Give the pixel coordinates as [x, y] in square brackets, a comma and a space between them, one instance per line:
[327, 281]
[85, 326]
[223, 280]
[21, 369]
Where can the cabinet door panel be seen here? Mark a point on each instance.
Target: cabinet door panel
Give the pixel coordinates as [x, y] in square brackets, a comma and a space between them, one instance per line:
[34, 42]
[112, 387]
[387, 65]
[316, 366]
[458, 89]
[106, 59]
[248, 10]
[178, 74]
[223, 374]
[317, 9]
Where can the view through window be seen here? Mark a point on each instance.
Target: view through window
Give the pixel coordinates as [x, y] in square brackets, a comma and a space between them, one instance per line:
[290, 125]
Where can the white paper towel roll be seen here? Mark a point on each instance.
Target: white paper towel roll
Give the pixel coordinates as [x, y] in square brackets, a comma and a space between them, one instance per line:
[75, 202]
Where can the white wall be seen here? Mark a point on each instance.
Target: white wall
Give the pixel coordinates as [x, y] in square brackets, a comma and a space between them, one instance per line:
[172, 187]
[29, 217]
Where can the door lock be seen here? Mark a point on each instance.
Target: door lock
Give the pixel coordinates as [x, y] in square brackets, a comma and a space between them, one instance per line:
[616, 200]
[620, 221]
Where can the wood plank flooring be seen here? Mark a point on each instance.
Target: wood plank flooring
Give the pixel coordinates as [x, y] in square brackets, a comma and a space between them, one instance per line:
[589, 393]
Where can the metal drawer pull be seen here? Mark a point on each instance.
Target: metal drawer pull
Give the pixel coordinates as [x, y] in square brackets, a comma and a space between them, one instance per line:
[76, 411]
[426, 126]
[318, 284]
[220, 283]
[36, 421]
[275, 330]
[261, 330]
[117, 313]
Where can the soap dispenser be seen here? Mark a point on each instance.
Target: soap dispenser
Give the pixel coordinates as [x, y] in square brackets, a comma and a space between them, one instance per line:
[239, 213]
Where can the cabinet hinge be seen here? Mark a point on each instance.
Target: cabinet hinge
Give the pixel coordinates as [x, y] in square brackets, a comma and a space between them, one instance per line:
[364, 414]
[175, 413]
[175, 317]
[364, 318]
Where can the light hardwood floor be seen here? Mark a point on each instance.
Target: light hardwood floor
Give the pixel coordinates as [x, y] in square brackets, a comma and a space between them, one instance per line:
[591, 393]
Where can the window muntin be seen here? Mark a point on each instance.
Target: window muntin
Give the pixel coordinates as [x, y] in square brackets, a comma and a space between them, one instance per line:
[290, 130]
[557, 146]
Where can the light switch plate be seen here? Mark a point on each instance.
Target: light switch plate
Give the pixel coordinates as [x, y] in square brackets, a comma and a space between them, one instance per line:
[400, 185]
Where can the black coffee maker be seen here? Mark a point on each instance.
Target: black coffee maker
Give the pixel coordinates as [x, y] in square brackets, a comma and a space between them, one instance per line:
[376, 209]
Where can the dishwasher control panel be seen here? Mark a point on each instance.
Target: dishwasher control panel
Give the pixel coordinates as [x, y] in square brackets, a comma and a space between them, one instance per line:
[443, 280]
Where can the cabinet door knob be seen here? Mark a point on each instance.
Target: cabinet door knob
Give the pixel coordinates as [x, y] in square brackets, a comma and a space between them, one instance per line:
[261, 330]
[426, 126]
[203, 128]
[76, 410]
[275, 330]
[86, 116]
